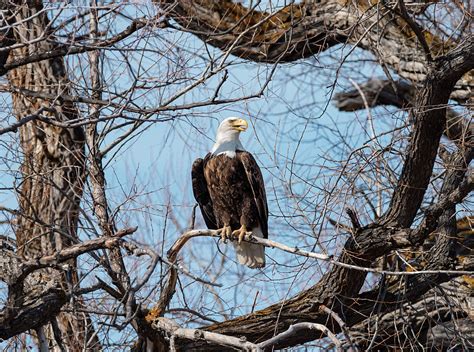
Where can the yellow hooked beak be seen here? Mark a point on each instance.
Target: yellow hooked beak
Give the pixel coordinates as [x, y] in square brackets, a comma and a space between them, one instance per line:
[240, 125]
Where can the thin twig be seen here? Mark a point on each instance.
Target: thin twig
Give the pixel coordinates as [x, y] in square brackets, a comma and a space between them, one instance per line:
[74, 251]
[342, 325]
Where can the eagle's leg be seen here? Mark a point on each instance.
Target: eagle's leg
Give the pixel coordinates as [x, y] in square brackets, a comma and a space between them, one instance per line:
[240, 233]
[226, 233]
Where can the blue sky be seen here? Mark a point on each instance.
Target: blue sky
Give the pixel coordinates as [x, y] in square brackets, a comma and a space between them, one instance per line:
[295, 133]
[291, 129]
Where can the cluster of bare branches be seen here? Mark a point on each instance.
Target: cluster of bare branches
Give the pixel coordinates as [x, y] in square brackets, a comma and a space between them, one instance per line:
[371, 226]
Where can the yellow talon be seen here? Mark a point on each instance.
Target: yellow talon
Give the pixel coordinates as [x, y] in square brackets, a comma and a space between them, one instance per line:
[226, 232]
[240, 233]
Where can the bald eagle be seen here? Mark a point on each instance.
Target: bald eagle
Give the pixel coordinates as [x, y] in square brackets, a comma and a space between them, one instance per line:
[228, 186]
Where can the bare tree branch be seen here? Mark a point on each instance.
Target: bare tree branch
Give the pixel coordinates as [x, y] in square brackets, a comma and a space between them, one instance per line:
[305, 29]
[430, 121]
[300, 328]
[174, 332]
[37, 310]
[381, 92]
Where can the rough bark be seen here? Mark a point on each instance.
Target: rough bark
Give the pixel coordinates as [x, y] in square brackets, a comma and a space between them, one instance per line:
[411, 324]
[339, 288]
[30, 305]
[430, 121]
[437, 320]
[305, 29]
[53, 166]
[401, 94]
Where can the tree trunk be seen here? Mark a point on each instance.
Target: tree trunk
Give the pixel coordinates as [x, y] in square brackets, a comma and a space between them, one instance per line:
[53, 169]
[302, 30]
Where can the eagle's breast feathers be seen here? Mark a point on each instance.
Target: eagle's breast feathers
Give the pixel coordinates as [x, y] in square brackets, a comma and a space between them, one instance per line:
[229, 188]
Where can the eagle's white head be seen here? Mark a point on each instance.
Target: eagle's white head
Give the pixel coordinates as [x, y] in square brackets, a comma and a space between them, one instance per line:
[227, 138]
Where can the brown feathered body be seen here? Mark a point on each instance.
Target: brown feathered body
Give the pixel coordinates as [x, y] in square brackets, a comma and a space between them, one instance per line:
[230, 192]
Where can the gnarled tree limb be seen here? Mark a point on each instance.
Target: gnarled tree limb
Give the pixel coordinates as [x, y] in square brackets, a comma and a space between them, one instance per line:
[305, 29]
[401, 94]
[430, 121]
[339, 287]
[39, 304]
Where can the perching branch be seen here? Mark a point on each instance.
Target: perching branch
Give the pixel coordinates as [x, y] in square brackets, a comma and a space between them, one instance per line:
[366, 248]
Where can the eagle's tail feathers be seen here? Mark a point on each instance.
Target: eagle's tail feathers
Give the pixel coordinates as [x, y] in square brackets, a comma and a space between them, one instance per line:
[249, 254]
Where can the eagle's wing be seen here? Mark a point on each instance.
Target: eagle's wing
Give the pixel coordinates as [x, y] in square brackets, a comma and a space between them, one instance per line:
[255, 178]
[201, 193]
